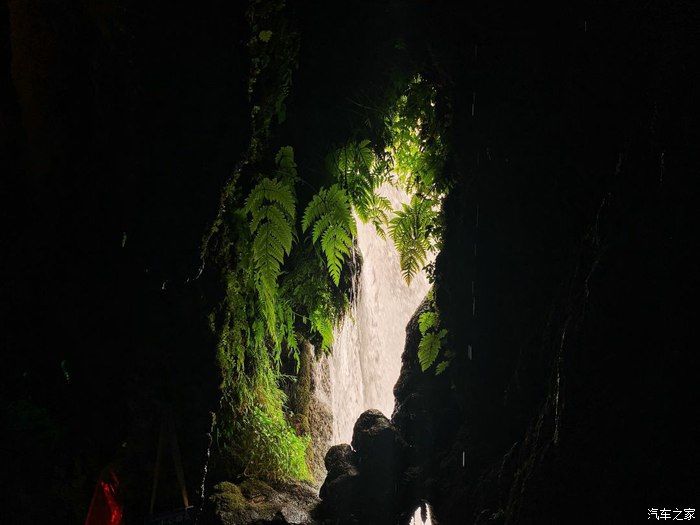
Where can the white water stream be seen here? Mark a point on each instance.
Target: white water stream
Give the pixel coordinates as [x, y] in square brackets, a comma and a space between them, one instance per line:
[366, 358]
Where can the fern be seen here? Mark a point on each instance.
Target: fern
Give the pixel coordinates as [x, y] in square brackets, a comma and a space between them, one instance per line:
[427, 320]
[376, 211]
[322, 325]
[429, 347]
[431, 341]
[271, 207]
[412, 232]
[359, 171]
[336, 243]
[333, 225]
[286, 167]
[441, 367]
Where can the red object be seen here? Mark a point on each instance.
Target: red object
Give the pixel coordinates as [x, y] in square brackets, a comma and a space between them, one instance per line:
[105, 508]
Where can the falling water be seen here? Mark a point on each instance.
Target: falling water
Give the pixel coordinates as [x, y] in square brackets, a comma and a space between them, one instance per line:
[205, 470]
[417, 518]
[366, 358]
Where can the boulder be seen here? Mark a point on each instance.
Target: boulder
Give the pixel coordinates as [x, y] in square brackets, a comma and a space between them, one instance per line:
[254, 502]
[374, 438]
[340, 458]
[363, 480]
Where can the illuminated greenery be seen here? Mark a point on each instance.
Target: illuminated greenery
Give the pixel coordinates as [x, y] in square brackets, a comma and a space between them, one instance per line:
[412, 230]
[271, 206]
[280, 288]
[415, 143]
[275, 295]
[357, 169]
[333, 225]
[257, 320]
[431, 342]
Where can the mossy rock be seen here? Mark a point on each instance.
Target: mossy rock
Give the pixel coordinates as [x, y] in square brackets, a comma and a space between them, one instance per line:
[228, 497]
[256, 490]
[254, 501]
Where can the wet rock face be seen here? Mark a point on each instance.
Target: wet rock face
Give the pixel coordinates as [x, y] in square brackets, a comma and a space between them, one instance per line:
[374, 438]
[340, 458]
[341, 489]
[320, 418]
[340, 492]
[254, 502]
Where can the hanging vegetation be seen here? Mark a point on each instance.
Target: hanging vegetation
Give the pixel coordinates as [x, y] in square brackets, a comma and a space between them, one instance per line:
[432, 338]
[280, 288]
[333, 225]
[360, 171]
[413, 232]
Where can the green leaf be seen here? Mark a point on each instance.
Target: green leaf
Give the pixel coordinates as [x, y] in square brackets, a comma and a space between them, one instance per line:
[286, 167]
[428, 350]
[427, 320]
[336, 244]
[360, 173]
[411, 229]
[333, 225]
[323, 326]
[271, 206]
[441, 367]
[274, 191]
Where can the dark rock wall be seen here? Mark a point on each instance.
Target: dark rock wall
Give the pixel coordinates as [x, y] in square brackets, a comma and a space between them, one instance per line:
[566, 265]
[120, 122]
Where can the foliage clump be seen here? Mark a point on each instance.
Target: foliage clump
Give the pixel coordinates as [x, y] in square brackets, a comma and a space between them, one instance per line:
[413, 231]
[415, 142]
[280, 288]
[431, 341]
[360, 171]
[273, 450]
[273, 298]
[330, 217]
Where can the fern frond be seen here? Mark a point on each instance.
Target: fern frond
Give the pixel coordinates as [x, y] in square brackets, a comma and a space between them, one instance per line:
[324, 327]
[360, 173]
[376, 211]
[429, 347]
[441, 367]
[336, 244]
[272, 191]
[271, 205]
[427, 320]
[411, 229]
[286, 167]
[333, 225]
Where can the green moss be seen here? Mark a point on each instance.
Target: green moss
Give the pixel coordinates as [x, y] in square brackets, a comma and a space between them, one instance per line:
[252, 495]
[228, 497]
[301, 391]
[253, 488]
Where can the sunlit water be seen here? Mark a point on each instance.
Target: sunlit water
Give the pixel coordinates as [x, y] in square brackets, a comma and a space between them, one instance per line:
[366, 358]
[417, 519]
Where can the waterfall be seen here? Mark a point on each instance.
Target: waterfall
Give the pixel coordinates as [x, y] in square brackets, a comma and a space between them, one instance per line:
[366, 358]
